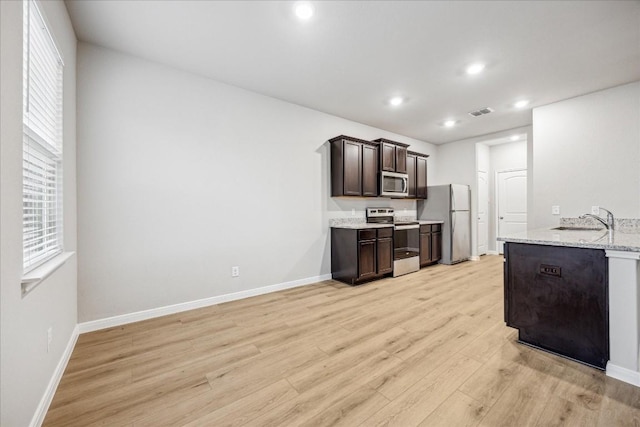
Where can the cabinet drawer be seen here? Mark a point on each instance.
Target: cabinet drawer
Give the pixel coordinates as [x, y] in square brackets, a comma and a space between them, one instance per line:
[367, 234]
[430, 228]
[385, 232]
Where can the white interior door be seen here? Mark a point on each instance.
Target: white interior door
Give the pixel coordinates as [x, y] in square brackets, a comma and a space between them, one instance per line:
[512, 203]
[483, 213]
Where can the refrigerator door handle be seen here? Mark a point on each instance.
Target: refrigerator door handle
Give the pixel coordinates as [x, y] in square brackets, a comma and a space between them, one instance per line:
[453, 199]
[453, 222]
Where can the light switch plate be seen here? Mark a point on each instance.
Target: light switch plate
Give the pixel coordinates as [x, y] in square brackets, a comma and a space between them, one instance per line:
[595, 210]
[555, 210]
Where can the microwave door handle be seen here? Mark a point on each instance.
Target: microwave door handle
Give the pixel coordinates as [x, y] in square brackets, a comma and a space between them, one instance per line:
[404, 185]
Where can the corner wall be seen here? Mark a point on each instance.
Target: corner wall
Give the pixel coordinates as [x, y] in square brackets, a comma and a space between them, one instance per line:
[181, 178]
[27, 367]
[586, 151]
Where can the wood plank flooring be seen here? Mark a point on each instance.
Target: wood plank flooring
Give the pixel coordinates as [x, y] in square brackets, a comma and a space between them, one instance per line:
[426, 349]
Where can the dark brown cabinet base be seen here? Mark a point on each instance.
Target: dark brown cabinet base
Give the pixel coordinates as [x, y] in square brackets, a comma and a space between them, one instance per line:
[361, 255]
[430, 244]
[557, 297]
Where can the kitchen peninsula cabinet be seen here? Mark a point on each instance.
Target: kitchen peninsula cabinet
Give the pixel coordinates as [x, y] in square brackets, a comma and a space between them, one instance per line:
[417, 171]
[360, 255]
[354, 167]
[393, 155]
[557, 298]
[430, 244]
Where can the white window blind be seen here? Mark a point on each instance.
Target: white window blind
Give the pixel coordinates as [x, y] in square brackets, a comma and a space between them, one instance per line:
[42, 141]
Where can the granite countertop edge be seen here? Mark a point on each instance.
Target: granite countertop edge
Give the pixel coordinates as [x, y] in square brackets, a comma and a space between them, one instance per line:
[360, 225]
[591, 239]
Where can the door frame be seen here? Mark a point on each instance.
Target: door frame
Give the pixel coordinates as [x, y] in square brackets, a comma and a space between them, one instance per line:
[487, 209]
[497, 201]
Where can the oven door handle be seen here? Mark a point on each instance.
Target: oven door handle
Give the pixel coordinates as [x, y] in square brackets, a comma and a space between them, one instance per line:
[407, 227]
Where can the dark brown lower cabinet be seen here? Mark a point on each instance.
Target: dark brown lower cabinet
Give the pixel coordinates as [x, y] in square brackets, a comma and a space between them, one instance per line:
[367, 259]
[385, 253]
[430, 244]
[359, 255]
[557, 298]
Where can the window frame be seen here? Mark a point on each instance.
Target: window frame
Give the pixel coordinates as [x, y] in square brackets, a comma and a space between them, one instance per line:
[42, 177]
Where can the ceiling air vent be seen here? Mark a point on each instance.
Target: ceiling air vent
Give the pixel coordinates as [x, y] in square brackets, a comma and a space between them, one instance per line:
[481, 112]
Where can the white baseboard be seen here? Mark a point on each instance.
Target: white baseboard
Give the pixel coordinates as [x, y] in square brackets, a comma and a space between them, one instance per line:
[474, 258]
[623, 374]
[45, 402]
[493, 253]
[123, 319]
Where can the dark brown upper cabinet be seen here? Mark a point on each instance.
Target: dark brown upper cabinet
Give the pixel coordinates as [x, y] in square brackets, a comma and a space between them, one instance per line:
[354, 167]
[417, 171]
[393, 155]
[411, 171]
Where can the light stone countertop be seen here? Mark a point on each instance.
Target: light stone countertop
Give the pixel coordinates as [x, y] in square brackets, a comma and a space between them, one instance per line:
[594, 239]
[361, 225]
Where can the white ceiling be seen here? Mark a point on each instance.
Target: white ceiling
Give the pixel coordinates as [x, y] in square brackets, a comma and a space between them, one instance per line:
[352, 56]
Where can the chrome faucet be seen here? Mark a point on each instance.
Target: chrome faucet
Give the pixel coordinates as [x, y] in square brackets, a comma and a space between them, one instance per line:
[609, 223]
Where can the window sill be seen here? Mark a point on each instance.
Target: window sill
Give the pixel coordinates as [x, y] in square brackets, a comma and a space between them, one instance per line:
[33, 278]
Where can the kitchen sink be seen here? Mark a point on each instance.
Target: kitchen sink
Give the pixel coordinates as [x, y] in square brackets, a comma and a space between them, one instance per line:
[577, 228]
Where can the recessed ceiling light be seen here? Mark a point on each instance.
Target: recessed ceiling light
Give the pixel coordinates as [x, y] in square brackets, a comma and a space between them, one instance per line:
[449, 123]
[521, 104]
[515, 137]
[303, 10]
[396, 100]
[475, 68]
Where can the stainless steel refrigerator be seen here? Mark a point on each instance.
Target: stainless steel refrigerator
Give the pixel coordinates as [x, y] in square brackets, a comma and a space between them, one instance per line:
[451, 204]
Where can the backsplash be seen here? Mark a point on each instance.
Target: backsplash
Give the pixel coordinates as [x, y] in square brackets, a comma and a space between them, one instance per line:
[629, 225]
[337, 222]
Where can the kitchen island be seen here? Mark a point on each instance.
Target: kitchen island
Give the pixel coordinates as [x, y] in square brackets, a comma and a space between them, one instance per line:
[622, 252]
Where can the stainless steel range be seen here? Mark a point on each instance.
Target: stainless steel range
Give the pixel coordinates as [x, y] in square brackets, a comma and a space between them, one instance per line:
[406, 240]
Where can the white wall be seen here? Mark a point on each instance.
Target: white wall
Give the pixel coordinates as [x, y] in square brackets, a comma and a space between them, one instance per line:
[26, 366]
[181, 177]
[586, 151]
[503, 157]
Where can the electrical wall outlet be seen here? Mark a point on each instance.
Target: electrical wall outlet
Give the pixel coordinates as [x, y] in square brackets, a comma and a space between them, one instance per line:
[49, 338]
[235, 271]
[595, 210]
[555, 210]
[353, 212]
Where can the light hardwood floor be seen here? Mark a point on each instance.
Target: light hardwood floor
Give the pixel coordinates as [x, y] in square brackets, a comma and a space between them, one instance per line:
[426, 349]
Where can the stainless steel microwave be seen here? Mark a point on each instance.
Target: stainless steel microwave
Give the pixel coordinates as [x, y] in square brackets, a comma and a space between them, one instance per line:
[393, 184]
